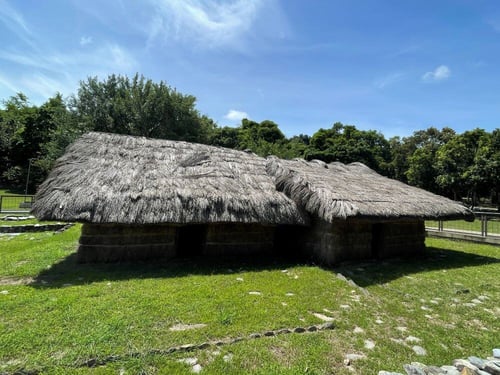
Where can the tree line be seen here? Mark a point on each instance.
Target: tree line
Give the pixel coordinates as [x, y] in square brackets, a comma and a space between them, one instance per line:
[438, 160]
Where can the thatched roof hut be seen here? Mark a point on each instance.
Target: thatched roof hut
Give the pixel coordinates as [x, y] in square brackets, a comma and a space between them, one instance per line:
[111, 178]
[147, 198]
[357, 213]
[338, 191]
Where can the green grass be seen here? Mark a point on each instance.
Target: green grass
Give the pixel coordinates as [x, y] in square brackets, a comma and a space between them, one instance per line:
[66, 313]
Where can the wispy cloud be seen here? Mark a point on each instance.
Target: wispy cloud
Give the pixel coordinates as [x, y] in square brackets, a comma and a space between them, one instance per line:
[46, 86]
[13, 20]
[207, 24]
[7, 83]
[441, 73]
[388, 80]
[84, 40]
[407, 50]
[235, 115]
[112, 56]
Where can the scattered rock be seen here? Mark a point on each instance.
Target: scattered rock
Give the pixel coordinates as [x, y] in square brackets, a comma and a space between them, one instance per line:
[228, 357]
[255, 293]
[419, 350]
[191, 361]
[412, 339]
[413, 370]
[354, 356]
[196, 368]
[471, 366]
[358, 330]
[289, 294]
[496, 353]
[369, 344]
[323, 317]
[186, 327]
[327, 325]
[239, 279]
[379, 321]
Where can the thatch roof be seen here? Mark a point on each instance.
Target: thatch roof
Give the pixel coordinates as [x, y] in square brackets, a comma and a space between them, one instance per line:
[110, 178]
[337, 191]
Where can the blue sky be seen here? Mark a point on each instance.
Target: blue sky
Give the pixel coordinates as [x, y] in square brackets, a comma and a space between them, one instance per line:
[395, 66]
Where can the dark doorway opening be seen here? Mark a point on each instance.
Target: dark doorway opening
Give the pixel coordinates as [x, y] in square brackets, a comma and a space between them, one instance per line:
[190, 240]
[377, 239]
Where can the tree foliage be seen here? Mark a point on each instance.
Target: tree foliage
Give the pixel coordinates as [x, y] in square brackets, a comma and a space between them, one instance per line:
[347, 144]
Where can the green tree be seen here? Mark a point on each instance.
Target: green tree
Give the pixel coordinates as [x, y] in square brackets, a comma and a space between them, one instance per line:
[138, 106]
[347, 144]
[16, 121]
[421, 149]
[457, 166]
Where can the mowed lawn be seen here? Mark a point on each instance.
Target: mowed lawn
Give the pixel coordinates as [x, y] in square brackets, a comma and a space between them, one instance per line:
[56, 316]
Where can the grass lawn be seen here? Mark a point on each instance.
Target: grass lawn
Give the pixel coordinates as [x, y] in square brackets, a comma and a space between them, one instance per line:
[56, 314]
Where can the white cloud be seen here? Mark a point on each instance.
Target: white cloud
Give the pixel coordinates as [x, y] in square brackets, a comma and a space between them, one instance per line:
[235, 115]
[215, 24]
[7, 83]
[44, 86]
[441, 73]
[388, 80]
[13, 20]
[84, 40]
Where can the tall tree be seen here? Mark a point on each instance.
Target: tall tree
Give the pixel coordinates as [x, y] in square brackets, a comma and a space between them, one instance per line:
[138, 106]
[456, 164]
[421, 170]
[347, 144]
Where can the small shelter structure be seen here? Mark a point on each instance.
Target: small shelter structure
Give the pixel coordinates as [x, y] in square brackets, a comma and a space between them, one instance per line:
[141, 198]
[356, 213]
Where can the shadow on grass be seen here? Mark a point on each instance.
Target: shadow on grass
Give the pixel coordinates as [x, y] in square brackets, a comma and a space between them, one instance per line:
[379, 272]
[365, 273]
[69, 271]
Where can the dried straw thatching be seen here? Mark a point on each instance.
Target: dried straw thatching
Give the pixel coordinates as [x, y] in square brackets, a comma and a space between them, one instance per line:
[110, 178]
[337, 191]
